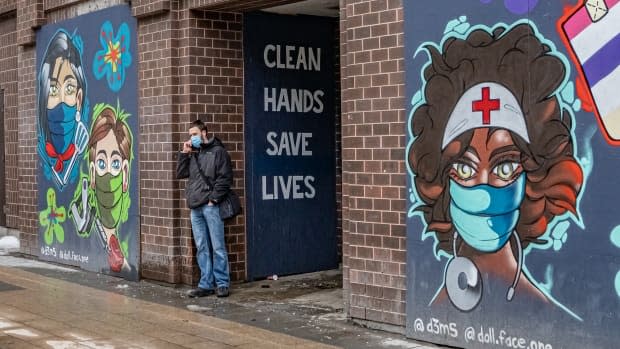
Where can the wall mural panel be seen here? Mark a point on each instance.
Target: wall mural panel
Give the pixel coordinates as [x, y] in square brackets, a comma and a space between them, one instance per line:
[514, 122]
[87, 142]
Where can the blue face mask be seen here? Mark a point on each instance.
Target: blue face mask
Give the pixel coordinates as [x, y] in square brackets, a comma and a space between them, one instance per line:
[485, 216]
[61, 122]
[196, 141]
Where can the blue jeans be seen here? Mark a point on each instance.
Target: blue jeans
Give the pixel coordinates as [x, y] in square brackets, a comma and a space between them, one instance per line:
[208, 231]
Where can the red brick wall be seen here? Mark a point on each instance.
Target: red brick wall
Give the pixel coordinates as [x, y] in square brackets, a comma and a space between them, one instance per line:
[26, 123]
[190, 67]
[373, 143]
[29, 16]
[57, 4]
[161, 242]
[8, 83]
[142, 8]
[7, 6]
[212, 82]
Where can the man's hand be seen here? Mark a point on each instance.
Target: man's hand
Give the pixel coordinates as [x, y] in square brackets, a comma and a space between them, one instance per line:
[187, 147]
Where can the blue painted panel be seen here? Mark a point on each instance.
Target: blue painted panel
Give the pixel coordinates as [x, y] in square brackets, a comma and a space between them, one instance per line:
[87, 142]
[290, 144]
[565, 233]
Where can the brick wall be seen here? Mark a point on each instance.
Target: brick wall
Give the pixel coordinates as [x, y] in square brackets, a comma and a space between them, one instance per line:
[29, 16]
[373, 143]
[6, 7]
[8, 83]
[211, 72]
[27, 163]
[161, 242]
[190, 67]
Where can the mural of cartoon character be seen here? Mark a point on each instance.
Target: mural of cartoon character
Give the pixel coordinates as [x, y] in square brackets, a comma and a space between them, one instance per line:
[61, 108]
[492, 158]
[102, 202]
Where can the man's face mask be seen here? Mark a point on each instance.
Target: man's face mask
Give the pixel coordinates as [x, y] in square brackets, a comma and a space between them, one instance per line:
[196, 141]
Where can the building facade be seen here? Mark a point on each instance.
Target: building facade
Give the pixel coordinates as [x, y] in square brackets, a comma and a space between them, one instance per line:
[389, 136]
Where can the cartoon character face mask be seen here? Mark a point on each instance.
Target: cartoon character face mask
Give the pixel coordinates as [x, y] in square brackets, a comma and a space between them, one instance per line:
[109, 191]
[62, 123]
[485, 216]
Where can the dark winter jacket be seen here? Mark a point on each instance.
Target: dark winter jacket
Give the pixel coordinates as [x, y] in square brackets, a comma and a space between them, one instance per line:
[216, 166]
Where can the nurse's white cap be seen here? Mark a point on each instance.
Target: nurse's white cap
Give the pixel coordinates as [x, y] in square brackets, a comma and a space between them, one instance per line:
[487, 104]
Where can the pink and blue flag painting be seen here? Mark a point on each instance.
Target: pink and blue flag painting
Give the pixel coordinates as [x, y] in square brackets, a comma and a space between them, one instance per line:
[593, 33]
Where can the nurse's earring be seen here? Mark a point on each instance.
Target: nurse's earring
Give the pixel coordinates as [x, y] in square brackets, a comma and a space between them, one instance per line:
[463, 281]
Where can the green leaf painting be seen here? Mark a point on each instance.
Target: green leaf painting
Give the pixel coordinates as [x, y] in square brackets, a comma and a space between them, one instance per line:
[51, 219]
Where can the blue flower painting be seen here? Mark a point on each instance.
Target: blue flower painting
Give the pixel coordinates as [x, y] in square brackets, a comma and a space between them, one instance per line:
[114, 57]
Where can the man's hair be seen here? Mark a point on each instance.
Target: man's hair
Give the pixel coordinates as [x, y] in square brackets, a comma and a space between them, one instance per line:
[200, 125]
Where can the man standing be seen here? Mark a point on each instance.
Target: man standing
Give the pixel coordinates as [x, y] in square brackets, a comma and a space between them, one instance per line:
[207, 165]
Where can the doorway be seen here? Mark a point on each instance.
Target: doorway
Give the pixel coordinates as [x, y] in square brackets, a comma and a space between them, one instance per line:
[290, 98]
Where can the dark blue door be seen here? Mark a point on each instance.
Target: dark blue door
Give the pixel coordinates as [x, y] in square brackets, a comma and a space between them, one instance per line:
[290, 144]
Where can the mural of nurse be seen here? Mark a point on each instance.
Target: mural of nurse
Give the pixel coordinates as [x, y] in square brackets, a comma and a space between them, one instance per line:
[61, 108]
[102, 203]
[492, 158]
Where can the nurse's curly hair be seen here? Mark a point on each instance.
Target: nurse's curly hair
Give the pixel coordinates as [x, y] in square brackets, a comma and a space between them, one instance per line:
[518, 60]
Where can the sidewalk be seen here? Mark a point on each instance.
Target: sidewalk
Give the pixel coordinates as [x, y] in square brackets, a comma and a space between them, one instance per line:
[48, 306]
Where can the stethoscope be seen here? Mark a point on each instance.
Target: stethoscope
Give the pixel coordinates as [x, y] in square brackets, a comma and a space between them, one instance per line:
[463, 281]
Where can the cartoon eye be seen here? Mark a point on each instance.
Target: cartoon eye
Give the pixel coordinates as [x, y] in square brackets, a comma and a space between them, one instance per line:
[505, 170]
[116, 164]
[463, 171]
[53, 90]
[70, 89]
[101, 164]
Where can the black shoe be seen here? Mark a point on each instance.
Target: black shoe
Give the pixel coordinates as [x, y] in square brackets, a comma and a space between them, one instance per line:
[200, 292]
[222, 292]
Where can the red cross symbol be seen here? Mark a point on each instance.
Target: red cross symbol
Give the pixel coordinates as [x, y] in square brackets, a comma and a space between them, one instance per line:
[485, 105]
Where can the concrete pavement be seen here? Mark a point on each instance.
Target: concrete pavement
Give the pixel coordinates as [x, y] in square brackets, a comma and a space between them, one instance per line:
[51, 306]
[41, 312]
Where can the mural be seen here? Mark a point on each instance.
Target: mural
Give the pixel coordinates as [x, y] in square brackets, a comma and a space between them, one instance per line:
[501, 154]
[61, 107]
[88, 171]
[590, 32]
